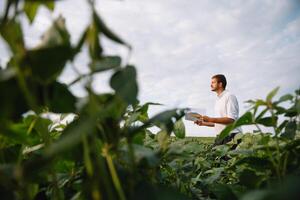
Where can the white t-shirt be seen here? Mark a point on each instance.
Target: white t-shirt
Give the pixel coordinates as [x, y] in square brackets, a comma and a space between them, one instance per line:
[226, 106]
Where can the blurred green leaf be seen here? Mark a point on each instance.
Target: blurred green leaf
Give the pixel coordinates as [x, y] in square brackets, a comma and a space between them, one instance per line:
[179, 129]
[249, 178]
[11, 32]
[258, 163]
[223, 192]
[48, 63]
[125, 84]
[272, 94]
[13, 103]
[268, 121]
[105, 63]
[145, 156]
[101, 26]
[92, 38]
[290, 130]
[245, 119]
[163, 139]
[31, 7]
[60, 99]
[286, 97]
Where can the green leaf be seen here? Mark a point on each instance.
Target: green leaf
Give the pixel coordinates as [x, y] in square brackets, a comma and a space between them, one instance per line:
[61, 100]
[290, 130]
[223, 192]
[163, 139]
[125, 84]
[144, 155]
[47, 63]
[42, 127]
[268, 121]
[31, 7]
[179, 129]
[245, 119]
[12, 33]
[101, 26]
[250, 179]
[49, 58]
[287, 97]
[92, 38]
[13, 104]
[105, 63]
[258, 163]
[272, 94]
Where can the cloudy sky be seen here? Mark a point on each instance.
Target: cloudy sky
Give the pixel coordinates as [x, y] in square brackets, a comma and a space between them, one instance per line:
[179, 44]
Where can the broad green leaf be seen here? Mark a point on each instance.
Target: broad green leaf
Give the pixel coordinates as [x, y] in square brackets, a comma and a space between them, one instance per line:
[12, 104]
[145, 156]
[286, 97]
[214, 175]
[12, 33]
[125, 84]
[257, 163]
[15, 132]
[245, 119]
[290, 130]
[42, 127]
[250, 179]
[31, 7]
[272, 94]
[105, 63]
[179, 129]
[223, 192]
[267, 121]
[48, 59]
[60, 99]
[163, 139]
[47, 63]
[139, 138]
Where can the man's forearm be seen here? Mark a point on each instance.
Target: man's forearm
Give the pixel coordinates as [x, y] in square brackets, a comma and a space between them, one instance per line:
[219, 120]
[210, 124]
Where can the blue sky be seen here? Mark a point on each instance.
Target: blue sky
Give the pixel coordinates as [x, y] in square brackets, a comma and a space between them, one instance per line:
[179, 45]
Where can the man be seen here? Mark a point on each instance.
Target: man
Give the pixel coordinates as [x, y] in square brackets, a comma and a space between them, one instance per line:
[226, 109]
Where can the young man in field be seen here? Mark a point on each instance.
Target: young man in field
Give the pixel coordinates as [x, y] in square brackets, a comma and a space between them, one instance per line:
[226, 109]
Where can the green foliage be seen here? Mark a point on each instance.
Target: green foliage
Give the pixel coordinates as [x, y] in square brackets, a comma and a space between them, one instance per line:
[107, 150]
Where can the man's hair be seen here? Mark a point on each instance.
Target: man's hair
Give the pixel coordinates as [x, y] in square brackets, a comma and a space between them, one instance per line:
[221, 79]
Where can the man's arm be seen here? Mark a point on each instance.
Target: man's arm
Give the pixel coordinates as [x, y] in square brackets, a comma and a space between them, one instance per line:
[202, 123]
[219, 120]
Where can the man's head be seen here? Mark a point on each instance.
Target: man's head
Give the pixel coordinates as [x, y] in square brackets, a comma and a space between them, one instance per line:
[218, 82]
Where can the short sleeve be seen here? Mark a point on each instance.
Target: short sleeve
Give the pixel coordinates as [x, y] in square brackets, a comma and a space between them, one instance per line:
[232, 107]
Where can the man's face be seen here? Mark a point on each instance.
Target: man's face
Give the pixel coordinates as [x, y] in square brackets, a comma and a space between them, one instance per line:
[214, 84]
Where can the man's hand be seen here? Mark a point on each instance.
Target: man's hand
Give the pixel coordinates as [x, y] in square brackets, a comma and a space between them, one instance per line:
[206, 118]
[199, 123]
